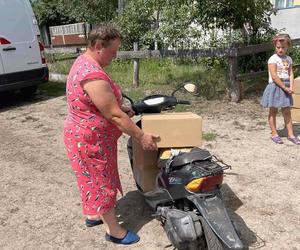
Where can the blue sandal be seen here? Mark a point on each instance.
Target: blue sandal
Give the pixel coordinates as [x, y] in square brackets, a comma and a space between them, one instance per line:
[277, 139]
[92, 223]
[294, 140]
[129, 238]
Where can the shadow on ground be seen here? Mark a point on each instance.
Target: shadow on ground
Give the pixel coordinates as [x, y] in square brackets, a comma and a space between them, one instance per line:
[232, 203]
[10, 100]
[133, 211]
[283, 132]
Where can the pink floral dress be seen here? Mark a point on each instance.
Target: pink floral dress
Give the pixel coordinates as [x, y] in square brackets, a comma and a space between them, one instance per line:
[91, 140]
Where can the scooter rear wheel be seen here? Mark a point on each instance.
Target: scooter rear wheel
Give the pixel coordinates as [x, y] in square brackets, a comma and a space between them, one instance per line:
[212, 241]
[197, 245]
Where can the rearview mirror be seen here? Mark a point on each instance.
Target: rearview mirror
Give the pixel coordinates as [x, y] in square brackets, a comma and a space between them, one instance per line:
[191, 88]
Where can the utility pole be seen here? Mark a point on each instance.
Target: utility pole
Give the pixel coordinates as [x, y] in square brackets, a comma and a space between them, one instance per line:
[136, 66]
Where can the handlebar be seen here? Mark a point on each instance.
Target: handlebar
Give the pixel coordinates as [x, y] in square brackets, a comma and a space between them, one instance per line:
[183, 102]
[155, 104]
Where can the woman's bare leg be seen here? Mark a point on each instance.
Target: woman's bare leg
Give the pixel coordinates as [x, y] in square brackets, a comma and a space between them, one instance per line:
[94, 217]
[113, 227]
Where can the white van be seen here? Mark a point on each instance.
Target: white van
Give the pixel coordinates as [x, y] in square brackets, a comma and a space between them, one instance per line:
[22, 59]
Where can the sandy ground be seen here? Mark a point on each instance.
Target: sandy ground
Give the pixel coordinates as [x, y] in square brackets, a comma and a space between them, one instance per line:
[40, 205]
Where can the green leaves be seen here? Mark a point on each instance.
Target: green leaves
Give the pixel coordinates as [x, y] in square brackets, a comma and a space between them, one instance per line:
[51, 12]
[93, 11]
[251, 16]
[188, 23]
[171, 23]
[135, 21]
[160, 22]
[56, 12]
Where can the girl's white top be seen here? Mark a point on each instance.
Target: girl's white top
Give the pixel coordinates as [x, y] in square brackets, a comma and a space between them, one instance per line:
[283, 63]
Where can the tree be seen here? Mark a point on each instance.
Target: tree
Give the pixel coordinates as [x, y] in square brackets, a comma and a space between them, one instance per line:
[251, 17]
[135, 21]
[162, 22]
[93, 11]
[51, 12]
[56, 12]
[184, 23]
[177, 27]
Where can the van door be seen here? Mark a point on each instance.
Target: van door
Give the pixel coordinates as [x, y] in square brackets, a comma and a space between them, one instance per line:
[1, 66]
[19, 47]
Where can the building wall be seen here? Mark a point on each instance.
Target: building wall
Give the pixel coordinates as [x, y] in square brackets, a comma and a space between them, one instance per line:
[288, 19]
[296, 2]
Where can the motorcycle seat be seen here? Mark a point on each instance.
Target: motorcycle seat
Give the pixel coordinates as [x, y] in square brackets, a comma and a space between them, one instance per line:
[196, 154]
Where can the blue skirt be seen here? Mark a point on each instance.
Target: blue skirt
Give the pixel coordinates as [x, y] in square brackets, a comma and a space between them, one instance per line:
[276, 97]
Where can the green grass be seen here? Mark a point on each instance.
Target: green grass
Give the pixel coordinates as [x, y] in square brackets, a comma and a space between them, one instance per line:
[209, 136]
[159, 76]
[61, 67]
[53, 88]
[60, 57]
[155, 72]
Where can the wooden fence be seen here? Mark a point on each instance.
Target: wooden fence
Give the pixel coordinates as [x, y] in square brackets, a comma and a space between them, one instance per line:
[231, 53]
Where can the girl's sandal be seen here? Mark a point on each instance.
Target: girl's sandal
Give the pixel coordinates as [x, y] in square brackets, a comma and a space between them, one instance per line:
[277, 139]
[294, 140]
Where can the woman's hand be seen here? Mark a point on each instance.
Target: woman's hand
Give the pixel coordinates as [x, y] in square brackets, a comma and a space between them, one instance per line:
[128, 111]
[148, 141]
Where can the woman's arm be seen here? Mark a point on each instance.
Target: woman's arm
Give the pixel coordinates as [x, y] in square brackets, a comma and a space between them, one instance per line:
[104, 99]
[273, 71]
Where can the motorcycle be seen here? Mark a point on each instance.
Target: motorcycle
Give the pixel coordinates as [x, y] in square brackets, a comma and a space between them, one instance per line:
[191, 211]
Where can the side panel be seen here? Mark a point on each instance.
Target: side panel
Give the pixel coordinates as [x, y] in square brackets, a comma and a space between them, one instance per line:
[18, 26]
[1, 66]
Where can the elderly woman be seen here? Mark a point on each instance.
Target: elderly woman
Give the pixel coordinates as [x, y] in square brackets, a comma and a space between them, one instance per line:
[95, 121]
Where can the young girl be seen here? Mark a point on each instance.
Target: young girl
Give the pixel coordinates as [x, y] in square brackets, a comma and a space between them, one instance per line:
[278, 93]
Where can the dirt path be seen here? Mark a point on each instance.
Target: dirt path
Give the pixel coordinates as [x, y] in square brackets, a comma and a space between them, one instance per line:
[40, 206]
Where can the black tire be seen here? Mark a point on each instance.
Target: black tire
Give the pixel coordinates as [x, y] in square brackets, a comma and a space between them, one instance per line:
[197, 245]
[212, 241]
[28, 91]
[7, 94]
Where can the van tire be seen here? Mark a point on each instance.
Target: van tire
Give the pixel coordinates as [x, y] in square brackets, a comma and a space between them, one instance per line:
[29, 91]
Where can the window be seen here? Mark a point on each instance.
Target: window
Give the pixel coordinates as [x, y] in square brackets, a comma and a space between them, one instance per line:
[281, 4]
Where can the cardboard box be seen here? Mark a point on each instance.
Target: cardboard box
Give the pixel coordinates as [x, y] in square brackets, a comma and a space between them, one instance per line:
[297, 85]
[145, 167]
[295, 112]
[175, 129]
[296, 100]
